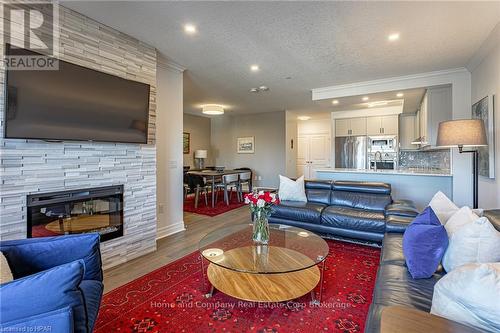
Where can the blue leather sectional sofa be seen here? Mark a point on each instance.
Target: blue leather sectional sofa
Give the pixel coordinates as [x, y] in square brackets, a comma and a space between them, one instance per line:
[344, 209]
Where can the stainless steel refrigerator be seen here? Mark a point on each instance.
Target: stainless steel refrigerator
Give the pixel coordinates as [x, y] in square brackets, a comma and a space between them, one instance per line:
[350, 152]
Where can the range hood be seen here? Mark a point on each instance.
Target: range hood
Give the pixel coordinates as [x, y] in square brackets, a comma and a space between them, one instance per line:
[421, 142]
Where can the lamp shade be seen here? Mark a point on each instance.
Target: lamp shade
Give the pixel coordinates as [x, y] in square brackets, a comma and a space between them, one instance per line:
[200, 154]
[461, 133]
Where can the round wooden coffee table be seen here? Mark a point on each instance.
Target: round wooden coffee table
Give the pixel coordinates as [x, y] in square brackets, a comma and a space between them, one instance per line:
[285, 269]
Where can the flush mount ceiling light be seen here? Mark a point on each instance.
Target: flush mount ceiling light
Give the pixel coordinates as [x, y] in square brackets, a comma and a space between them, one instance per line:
[190, 29]
[365, 98]
[335, 102]
[393, 37]
[254, 90]
[303, 117]
[254, 68]
[212, 109]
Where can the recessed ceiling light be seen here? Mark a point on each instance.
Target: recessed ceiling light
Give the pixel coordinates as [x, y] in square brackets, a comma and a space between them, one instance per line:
[303, 117]
[254, 68]
[190, 29]
[400, 94]
[212, 109]
[393, 37]
[335, 101]
[365, 98]
[254, 90]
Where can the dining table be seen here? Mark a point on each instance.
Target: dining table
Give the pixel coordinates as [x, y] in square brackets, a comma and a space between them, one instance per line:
[213, 174]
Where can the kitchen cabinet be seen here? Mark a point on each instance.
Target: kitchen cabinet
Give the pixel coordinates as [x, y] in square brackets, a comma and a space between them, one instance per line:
[408, 131]
[350, 126]
[436, 107]
[313, 151]
[382, 125]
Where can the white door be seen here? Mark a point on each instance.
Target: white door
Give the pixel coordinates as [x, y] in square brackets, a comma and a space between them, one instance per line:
[313, 151]
[374, 125]
[390, 125]
[303, 144]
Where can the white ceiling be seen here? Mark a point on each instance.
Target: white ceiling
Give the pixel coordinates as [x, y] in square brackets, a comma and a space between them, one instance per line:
[411, 100]
[317, 44]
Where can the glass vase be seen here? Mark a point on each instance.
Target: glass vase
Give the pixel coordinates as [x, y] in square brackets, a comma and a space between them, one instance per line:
[260, 233]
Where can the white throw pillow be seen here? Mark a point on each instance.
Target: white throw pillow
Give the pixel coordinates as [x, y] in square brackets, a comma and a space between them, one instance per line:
[292, 190]
[476, 242]
[470, 295]
[463, 216]
[5, 272]
[443, 207]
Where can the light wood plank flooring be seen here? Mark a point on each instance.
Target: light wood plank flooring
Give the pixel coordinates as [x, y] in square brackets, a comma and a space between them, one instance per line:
[173, 247]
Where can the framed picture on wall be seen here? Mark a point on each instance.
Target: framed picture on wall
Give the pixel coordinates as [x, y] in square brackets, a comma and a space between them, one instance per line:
[186, 142]
[246, 145]
[484, 109]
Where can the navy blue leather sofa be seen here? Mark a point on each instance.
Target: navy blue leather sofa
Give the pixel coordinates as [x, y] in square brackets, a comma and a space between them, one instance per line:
[344, 209]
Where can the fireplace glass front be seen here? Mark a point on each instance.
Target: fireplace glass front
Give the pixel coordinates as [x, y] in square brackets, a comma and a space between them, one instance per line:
[78, 211]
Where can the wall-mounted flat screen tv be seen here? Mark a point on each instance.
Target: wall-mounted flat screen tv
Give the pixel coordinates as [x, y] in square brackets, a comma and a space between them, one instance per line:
[74, 103]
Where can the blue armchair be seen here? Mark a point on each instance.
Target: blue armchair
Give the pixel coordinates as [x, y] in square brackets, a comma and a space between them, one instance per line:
[57, 284]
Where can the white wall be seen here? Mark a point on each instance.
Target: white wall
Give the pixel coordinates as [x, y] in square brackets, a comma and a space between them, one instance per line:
[291, 145]
[169, 125]
[485, 81]
[320, 125]
[268, 161]
[199, 129]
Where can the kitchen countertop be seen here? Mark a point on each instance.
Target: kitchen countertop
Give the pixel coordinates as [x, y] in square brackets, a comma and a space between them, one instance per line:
[405, 172]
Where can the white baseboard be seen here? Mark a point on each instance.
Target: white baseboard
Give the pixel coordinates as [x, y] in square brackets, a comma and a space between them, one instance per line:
[170, 230]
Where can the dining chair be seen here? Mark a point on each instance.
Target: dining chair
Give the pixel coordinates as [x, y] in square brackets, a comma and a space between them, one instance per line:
[198, 185]
[229, 182]
[245, 178]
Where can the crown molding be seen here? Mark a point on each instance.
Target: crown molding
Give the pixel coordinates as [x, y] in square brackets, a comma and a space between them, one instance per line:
[388, 84]
[486, 47]
[165, 63]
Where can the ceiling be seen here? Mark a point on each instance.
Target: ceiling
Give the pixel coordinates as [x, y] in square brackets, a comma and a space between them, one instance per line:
[298, 45]
[411, 100]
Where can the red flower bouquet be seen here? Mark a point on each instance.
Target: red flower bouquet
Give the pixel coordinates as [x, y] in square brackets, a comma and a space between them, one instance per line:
[260, 204]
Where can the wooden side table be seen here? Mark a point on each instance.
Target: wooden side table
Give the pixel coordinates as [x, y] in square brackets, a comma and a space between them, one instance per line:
[399, 319]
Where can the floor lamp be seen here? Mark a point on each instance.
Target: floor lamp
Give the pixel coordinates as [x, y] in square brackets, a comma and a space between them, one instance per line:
[464, 133]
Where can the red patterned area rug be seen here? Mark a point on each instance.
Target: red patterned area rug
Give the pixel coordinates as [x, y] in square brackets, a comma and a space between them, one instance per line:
[170, 299]
[220, 206]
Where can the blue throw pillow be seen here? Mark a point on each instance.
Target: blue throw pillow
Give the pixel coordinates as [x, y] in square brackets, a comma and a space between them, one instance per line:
[424, 243]
[43, 292]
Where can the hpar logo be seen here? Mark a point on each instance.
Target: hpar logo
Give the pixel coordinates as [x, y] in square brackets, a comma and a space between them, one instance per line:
[30, 34]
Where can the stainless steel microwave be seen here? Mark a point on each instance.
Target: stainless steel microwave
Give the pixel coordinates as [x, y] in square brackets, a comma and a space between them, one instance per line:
[386, 143]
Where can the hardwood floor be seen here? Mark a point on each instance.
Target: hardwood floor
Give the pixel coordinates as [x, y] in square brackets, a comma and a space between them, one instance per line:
[173, 247]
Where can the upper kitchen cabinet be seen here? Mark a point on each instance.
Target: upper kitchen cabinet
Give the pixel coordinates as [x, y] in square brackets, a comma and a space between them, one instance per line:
[435, 107]
[408, 131]
[382, 125]
[350, 126]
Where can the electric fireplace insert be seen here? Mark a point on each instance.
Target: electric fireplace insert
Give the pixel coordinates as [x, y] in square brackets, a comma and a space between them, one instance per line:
[77, 211]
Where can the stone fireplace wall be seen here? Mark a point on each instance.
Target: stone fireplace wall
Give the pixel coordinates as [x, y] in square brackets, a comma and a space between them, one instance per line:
[31, 166]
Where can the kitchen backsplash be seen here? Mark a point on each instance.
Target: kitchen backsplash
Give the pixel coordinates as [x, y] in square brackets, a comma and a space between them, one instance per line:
[425, 159]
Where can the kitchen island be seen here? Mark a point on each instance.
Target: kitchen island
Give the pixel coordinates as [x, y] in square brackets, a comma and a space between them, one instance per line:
[417, 185]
